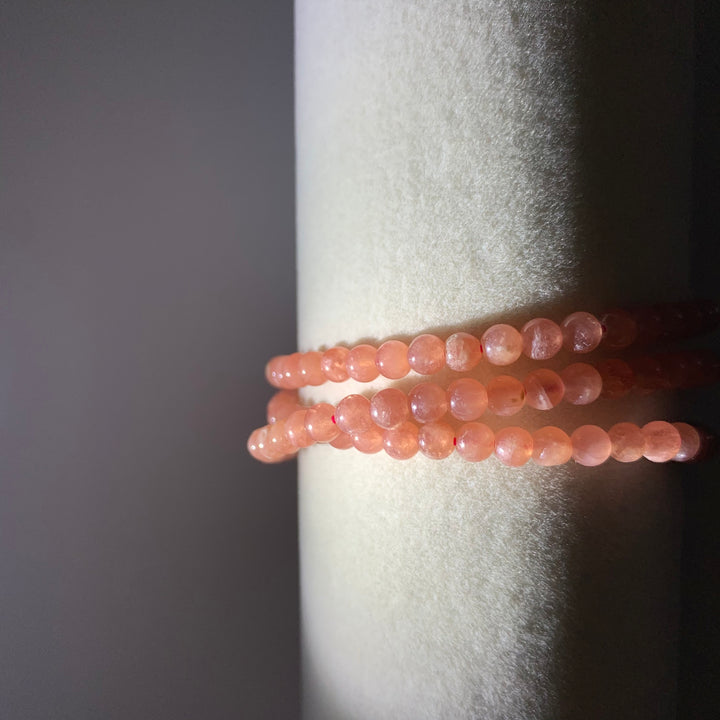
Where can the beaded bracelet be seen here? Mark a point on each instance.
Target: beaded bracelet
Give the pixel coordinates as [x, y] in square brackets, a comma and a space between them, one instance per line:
[500, 344]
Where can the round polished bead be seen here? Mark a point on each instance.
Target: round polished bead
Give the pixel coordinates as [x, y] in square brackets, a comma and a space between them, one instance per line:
[662, 441]
[369, 442]
[343, 441]
[551, 446]
[277, 440]
[619, 329]
[352, 414]
[591, 445]
[544, 389]
[690, 442]
[462, 352]
[401, 442]
[506, 395]
[360, 363]
[320, 422]
[513, 446]
[281, 405]
[428, 402]
[389, 408]
[617, 378]
[628, 442]
[332, 364]
[291, 375]
[502, 344]
[542, 339]
[436, 440]
[296, 431]
[475, 441]
[311, 369]
[257, 443]
[392, 359]
[582, 332]
[583, 383]
[273, 370]
[426, 354]
[467, 399]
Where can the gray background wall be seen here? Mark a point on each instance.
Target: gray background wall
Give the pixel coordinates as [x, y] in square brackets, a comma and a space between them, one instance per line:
[148, 566]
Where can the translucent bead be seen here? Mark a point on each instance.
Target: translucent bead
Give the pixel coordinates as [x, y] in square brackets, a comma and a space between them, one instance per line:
[392, 359]
[281, 405]
[333, 364]
[475, 441]
[352, 414]
[544, 389]
[513, 446]
[436, 440]
[506, 395]
[426, 354]
[273, 371]
[628, 442]
[582, 332]
[542, 339]
[690, 442]
[401, 442]
[662, 441]
[296, 431]
[619, 329]
[277, 440]
[360, 363]
[502, 344]
[256, 444]
[462, 352]
[320, 422]
[343, 441]
[551, 446]
[291, 374]
[591, 445]
[427, 402]
[583, 383]
[389, 408]
[311, 369]
[617, 378]
[369, 442]
[467, 399]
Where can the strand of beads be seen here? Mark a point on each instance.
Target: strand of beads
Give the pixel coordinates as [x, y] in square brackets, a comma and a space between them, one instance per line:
[500, 344]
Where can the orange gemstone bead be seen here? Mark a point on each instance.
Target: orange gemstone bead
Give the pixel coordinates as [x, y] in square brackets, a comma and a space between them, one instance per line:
[467, 399]
[591, 445]
[542, 339]
[551, 446]
[401, 442]
[462, 352]
[506, 395]
[662, 441]
[392, 359]
[513, 446]
[436, 440]
[582, 332]
[428, 402]
[475, 441]
[389, 408]
[544, 389]
[360, 363]
[502, 344]
[352, 414]
[628, 442]
[583, 383]
[332, 364]
[320, 423]
[369, 442]
[426, 354]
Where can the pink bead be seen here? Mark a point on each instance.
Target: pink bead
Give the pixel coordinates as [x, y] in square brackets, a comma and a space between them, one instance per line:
[277, 440]
[389, 408]
[401, 443]
[369, 442]
[475, 441]
[427, 402]
[467, 399]
[591, 445]
[311, 369]
[502, 344]
[352, 414]
[291, 378]
[281, 405]
[360, 363]
[551, 446]
[619, 329]
[662, 441]
[617, 378]
[426, 354]
[690, 442]
[332, 364]
[542, 339]
[342, 442]
[506, 395]
[257, 444]
[628, 442]
[392, 359]
[582, 332]
[544, 389]
[436, 440]
[583, 383]
[513, 446]
[320, 423]
[296, 431]
[462, 352]
[273, 371]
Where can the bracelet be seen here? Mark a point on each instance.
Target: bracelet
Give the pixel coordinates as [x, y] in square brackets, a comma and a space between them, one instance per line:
[500, 344]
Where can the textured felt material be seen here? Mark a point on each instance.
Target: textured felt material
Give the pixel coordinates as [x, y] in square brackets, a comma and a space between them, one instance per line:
[459, 162]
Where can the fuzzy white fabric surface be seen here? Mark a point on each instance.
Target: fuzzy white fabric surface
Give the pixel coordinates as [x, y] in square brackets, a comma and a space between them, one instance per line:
[459, 162]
